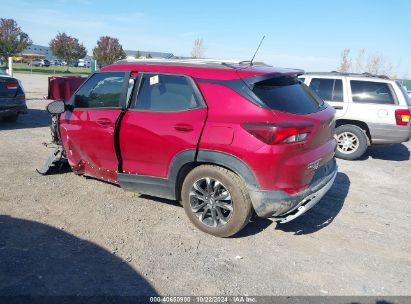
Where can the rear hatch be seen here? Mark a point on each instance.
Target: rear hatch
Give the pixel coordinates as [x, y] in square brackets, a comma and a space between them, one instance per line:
[11, 93]
[292, 102]
[302, 127]
[8, 87]
[402, 116]
[405, 94]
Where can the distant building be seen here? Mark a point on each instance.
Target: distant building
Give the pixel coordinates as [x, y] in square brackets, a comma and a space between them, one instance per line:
[46, 51]
[39, 49]
[145, 54]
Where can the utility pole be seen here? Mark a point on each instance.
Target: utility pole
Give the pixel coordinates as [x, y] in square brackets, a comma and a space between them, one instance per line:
[10, 69]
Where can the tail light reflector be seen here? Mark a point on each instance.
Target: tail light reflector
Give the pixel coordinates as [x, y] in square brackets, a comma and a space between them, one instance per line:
[279, 133]
[402, 117]
[11, 85]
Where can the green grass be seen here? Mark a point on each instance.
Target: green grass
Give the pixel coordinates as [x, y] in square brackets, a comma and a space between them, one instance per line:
[51, 70]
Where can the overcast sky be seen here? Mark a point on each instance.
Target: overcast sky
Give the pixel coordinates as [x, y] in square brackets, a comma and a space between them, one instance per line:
[301, 34]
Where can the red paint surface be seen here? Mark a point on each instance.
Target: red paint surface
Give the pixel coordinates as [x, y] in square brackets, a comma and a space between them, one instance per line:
[201, 71]
[276, 167]
[90, 144]
[150, 140]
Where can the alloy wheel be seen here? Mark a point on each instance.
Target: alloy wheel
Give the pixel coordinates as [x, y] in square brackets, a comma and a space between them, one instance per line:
[347, 142]
[211, 202]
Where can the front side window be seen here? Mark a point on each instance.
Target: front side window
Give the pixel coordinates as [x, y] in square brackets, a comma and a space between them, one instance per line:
[165, 93]
[372, 92]
[328, 89]
[102, 90]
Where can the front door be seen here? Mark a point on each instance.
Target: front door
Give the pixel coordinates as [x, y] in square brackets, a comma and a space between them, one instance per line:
[88, 130]
[332, 91]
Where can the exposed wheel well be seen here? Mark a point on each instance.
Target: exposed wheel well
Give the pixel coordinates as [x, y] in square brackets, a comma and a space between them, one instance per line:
[357, 123]
[184, 170]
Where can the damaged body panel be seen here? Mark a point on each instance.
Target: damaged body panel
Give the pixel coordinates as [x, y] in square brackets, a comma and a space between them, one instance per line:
[206, 134]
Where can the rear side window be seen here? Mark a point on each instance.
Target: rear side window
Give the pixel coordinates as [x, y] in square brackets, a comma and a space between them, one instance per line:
[102, 90]
[287, 94]
[372, 92]
[328, 89]
[165, 93]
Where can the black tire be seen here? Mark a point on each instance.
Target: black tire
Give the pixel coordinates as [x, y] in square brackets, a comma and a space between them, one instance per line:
[11, 118]
[356, 136]
[241, 209]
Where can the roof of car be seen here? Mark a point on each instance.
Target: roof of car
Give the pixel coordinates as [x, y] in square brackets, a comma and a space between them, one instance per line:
[334, 73]
[201, 68]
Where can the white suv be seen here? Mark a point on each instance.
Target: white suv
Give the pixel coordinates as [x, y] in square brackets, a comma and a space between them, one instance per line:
[370, 110]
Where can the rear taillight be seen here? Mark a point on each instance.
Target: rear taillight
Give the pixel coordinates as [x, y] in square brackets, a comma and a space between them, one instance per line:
[402, 117]
[279, 133]
[11, 85]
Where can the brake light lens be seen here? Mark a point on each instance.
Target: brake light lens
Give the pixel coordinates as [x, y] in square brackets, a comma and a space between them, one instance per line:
[279, 133]
[11, 85]
[402, 117]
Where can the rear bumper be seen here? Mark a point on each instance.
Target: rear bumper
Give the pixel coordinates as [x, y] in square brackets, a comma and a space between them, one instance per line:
[285, 207]
[389, 134]
[4, 112]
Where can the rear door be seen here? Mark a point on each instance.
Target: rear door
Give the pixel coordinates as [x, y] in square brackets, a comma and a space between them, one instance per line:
[88, 130]
[331, 90]
[373, 99]
[165, 117]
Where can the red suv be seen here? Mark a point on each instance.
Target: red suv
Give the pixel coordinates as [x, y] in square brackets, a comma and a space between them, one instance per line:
[225, 139]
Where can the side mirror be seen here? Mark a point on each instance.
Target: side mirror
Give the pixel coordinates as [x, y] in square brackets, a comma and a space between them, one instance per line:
[56, 107]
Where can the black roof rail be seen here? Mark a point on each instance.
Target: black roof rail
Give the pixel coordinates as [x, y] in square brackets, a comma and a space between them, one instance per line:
[231, 64]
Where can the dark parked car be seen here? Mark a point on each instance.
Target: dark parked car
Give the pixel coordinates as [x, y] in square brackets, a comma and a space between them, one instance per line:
[227, 139]
[12, 98]
[40, 62]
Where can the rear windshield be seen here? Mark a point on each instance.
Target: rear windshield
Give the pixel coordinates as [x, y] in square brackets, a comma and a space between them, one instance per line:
[405, 93]
[287, 94]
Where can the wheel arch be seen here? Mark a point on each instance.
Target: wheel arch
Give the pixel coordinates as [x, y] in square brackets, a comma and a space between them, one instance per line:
[183, 163]
[358, 123]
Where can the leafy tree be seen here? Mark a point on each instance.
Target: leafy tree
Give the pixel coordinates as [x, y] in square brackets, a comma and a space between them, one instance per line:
[108, 50]
[12, 39]
[198, 48]
[138, 55]
[67, 48]
[149, 56]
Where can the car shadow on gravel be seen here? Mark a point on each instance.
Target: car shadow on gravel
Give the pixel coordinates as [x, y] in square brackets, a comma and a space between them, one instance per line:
[255, 226]
[161, 200]
[40, 260]
[395, 152]
[35, 118]
[322, 214]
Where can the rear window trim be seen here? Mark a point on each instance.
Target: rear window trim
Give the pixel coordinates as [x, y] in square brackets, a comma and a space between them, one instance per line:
[243, 87]
[253, 80]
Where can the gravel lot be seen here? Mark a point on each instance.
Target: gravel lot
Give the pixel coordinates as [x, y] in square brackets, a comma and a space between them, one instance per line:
[64, 234]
